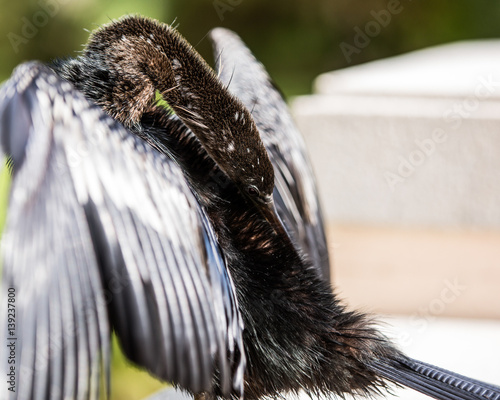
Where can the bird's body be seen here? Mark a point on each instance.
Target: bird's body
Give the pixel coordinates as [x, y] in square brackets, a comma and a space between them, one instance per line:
[271, 319]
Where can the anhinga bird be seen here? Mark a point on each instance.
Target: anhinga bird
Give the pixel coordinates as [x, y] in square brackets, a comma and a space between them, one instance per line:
[159, 223]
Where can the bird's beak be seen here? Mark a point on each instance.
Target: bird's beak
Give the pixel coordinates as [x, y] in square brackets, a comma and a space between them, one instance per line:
[270, 214]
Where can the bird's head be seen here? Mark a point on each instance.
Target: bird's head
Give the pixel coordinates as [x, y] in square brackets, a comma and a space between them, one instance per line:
[246, 162]
[238, 150]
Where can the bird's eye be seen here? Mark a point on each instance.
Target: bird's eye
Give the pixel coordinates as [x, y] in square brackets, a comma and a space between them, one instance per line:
[253, 191]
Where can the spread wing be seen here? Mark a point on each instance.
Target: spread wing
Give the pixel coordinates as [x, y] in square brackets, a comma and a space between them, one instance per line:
[295, 193]
[103, 232]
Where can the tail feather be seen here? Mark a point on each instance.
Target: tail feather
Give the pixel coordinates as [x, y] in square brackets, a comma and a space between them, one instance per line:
[435, 382]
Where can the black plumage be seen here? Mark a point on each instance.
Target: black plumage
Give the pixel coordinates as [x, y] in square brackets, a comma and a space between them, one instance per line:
[161, 226]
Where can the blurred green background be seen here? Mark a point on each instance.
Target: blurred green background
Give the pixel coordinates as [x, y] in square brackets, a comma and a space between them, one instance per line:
[295, 39]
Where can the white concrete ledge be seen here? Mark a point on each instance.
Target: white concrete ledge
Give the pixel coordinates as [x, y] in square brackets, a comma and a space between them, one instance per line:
[451, 70]
[413, 140]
